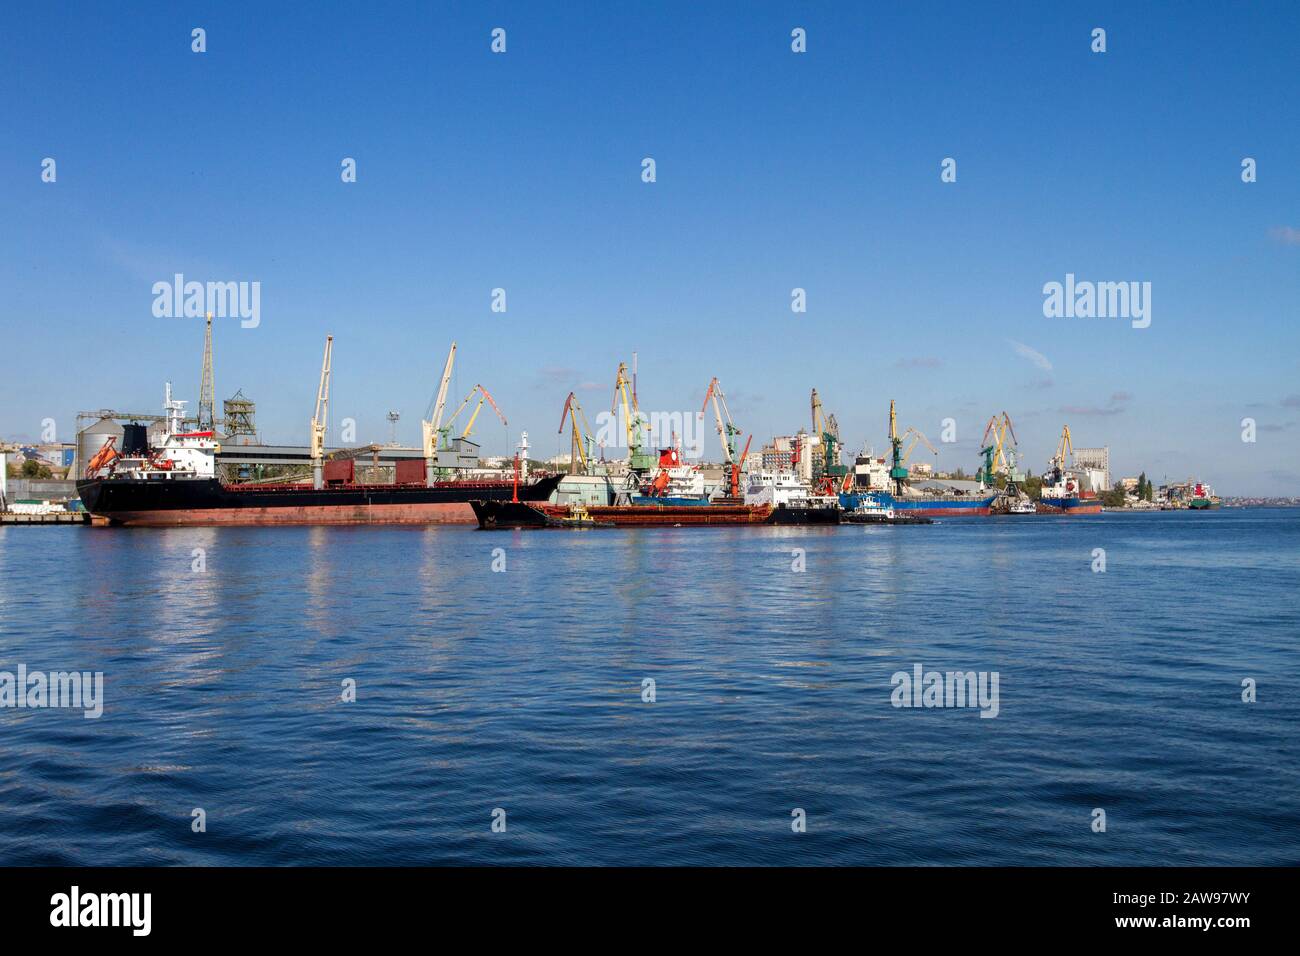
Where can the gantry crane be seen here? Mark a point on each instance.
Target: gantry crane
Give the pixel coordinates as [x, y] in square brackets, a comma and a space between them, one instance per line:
[320, 419]
[999, 453]
[430, 427]
[582, 442]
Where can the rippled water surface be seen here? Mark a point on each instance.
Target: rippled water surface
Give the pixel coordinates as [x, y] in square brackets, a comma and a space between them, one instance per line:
[522, 690]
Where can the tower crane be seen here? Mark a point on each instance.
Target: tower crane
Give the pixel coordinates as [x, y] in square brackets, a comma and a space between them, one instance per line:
[207, 391]
[320, 419]
[582, 442]
[430, 427]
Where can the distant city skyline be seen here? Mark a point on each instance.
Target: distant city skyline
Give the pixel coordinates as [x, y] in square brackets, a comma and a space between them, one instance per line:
[774, 171]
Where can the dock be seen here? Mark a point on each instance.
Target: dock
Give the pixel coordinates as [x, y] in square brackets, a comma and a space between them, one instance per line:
[54, 517]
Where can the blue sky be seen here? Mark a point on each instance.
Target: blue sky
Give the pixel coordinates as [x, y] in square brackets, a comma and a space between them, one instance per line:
[775, 170]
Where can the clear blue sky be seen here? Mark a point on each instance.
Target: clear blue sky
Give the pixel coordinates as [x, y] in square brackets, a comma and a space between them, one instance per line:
[775, 170]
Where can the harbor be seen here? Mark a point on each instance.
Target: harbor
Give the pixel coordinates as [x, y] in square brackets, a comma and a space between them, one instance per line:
[172, 468]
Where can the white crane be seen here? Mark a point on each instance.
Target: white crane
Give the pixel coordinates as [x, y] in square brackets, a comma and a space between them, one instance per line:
[430, 427]
[320, 419]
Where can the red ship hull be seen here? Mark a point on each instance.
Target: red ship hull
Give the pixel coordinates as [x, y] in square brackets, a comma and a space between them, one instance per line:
[206, 502]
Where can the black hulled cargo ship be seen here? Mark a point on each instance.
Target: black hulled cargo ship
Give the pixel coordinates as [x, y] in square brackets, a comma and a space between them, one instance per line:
[177, 484]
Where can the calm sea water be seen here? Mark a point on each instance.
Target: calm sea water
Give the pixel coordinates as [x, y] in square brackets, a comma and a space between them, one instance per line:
[522, 690]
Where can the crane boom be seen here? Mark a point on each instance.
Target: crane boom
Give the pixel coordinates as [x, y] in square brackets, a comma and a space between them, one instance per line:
[484, 395]
[581, 432]
[320, 418]
[429, 426]
[625, 391]
[727, 430]
[917, 438]
[1066, 445]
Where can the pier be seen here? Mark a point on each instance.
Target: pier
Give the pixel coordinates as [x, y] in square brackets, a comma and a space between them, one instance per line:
[53, 517]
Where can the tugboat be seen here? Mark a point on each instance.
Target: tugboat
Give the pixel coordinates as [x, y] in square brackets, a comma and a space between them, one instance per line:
[1022, 506]
[875, 509]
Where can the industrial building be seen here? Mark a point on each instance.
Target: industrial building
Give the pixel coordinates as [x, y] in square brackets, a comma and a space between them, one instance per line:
[1093, 467]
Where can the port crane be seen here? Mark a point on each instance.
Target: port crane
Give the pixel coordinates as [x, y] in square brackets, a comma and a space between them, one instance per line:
[827, 431]
[582, 442]
[483, 396]
[638, 462]
[320, 419]
[728, 434]
[897, 470]
[1059, 460]
[431, 425]
[918, 438]
[999, 453]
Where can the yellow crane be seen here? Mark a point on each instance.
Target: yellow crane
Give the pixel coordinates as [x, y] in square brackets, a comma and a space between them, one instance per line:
[484, 396]
[625, 391]
[917, 438]
[431, 427]
[1065, 447]
[999, 450]
[582, 441]
[320, 418]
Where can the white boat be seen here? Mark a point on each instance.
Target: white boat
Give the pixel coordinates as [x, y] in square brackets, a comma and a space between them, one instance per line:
[1022, 506]
[870, 506]
[784, 490]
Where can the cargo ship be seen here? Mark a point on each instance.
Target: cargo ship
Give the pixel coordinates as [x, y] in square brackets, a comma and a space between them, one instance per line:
[770, 499]
[1203, 498]
[923, 505]
[176, 484]
[1062, 492]
[496, 514]
[860, 489]
[672, 483]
